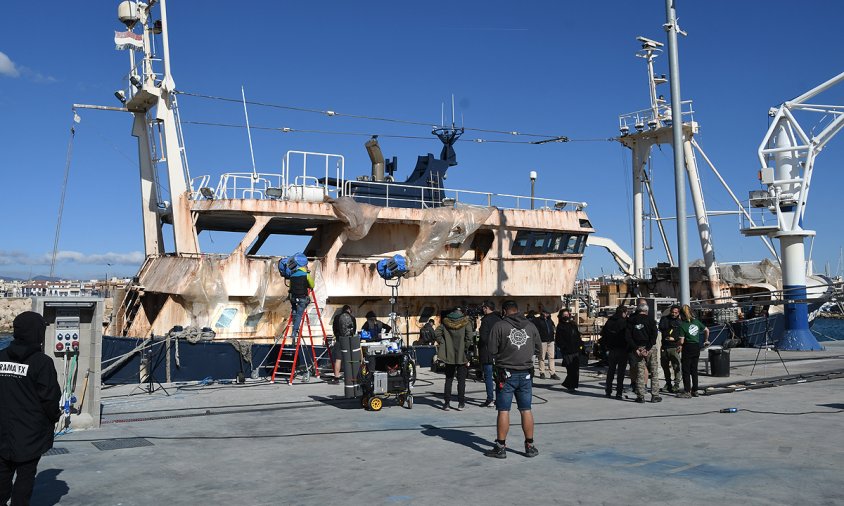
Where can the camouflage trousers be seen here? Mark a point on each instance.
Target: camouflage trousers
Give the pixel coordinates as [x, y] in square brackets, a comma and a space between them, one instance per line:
[641, 368]
[671, 361]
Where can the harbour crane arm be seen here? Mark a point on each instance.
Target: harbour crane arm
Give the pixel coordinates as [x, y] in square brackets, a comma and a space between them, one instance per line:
[625, 263]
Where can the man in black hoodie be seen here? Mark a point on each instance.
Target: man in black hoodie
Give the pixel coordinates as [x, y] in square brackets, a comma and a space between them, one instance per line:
[29, 407]
[614, 340]
[514, 341]
[642, 340]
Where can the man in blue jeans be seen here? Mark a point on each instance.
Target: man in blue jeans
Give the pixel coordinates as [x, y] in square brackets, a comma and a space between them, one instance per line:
[490, 318]
[301, 282]
[513, 343]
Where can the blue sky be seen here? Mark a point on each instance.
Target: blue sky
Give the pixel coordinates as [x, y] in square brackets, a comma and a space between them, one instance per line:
[551, 67]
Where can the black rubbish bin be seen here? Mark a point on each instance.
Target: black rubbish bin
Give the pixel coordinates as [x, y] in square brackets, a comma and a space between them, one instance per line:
[719, 362]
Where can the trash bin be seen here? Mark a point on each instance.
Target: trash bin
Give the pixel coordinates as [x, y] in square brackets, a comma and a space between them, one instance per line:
[719, 362]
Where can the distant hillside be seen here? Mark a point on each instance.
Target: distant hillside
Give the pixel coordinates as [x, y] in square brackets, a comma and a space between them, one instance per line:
[34, 278]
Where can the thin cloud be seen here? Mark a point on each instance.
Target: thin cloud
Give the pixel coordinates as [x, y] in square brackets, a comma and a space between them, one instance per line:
[8, 67]
[35, 76]
[71, 257]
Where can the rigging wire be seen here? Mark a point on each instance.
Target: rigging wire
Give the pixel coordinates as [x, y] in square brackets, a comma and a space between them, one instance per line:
[76, 119]
[546, 138]
[360, 134]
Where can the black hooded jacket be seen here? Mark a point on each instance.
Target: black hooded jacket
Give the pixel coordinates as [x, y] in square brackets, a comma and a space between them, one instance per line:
[344, 324]
[513, 343]
[568, 338]
[641, 331]
[614, 334]
[29, 392]
[487, 322]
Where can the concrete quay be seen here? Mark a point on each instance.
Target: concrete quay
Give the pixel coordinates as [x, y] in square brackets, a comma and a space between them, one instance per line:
[268, 444]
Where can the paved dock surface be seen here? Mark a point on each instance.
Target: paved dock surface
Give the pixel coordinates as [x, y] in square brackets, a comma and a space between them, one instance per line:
[268, 444]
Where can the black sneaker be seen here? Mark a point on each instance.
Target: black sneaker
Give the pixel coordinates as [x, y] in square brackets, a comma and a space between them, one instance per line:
[530, 450]
[694, 393]
[607, 394]
[461, 406]
[619, 396]
[446, 406]
[640, 399]
[497, 451]
[656, 398]
[554, 377]
[542, 375]
[487, 403]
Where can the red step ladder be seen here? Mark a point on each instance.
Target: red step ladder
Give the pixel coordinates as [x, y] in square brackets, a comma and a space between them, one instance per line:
[306, 322]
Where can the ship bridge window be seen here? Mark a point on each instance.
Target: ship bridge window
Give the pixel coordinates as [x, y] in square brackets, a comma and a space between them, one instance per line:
[531, 242]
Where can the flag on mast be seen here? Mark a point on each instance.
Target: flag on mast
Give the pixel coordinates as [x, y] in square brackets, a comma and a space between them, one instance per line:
[128, 40]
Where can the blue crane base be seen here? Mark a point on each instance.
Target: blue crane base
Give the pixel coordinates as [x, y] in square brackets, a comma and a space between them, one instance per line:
[797, 336]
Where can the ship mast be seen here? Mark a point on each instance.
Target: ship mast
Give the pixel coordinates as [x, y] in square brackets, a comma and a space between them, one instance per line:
[152, 102]
[655, 126]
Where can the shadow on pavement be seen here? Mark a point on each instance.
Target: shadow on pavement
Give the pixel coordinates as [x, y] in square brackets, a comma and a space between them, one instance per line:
[457, 436]
[48, 489]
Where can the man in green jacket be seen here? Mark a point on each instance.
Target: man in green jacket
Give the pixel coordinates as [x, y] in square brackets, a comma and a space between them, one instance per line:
[454, 336]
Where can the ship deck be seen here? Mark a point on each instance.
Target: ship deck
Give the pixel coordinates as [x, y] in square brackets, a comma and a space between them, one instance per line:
[264, 443]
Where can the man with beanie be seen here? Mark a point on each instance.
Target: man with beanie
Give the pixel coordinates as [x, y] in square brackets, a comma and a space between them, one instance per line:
[454, 337]
[490, 318]
[514, 342]
[29, 407]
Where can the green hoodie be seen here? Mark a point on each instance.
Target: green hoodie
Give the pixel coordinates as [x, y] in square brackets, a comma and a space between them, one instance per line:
[454, 337]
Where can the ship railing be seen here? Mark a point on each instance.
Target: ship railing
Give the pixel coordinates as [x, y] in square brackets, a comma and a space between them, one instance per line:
[645, 118]
[243, 185]
[426, 196]
[757, 217]
[307, 186]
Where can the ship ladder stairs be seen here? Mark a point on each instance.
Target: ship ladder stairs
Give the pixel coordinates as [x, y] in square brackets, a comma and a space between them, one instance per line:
[291, 352]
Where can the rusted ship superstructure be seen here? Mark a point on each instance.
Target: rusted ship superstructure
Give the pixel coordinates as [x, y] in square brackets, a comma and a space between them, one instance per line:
[463, 246]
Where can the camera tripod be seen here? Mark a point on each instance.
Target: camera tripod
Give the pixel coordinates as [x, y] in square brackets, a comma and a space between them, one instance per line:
[769, 344]
[150, 360]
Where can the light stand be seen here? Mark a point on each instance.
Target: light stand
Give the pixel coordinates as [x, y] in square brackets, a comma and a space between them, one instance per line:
[394, 297]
